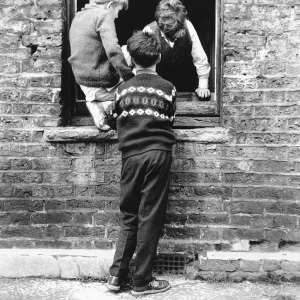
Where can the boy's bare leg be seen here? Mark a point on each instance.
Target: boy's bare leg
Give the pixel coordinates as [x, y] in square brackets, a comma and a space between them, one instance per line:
[99, 103]
[98, 110]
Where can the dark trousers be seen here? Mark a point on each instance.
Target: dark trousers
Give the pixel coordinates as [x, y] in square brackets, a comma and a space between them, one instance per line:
[144, 195]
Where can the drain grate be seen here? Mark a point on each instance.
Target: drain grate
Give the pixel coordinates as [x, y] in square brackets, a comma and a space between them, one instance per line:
[170, 263]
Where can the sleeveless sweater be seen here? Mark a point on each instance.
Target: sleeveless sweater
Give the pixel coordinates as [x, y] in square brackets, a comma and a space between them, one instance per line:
[176, 63]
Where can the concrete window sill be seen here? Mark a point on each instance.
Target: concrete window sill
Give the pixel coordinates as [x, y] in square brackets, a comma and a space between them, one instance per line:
[92, 134]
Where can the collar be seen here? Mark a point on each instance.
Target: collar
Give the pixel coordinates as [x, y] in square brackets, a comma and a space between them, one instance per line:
[146, 71]
[166, 39]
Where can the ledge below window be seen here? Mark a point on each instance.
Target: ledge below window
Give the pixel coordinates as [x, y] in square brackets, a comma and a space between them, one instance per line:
[92, 134]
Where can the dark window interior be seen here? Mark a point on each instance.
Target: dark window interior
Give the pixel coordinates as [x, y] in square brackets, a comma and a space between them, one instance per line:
[200, 13]
[141, 13]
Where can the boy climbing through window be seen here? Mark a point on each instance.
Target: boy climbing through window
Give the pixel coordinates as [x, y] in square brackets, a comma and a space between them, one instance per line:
[96, 57]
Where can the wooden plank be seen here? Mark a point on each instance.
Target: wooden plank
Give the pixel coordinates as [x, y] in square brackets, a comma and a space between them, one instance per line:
[193, 97]
[196, 122]
[183, 108]
[192, 112]
[180, 121]
[195, 108]
[187, 103]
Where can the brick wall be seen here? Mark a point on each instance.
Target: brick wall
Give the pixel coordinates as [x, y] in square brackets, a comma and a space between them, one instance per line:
[30, 96]
[242, 195]
[261, 109]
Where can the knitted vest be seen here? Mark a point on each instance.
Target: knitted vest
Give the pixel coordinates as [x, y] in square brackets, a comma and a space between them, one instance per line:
[146, 108]
[176, 63]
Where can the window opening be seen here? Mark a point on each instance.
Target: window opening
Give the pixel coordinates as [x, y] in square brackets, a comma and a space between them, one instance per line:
[206, 18]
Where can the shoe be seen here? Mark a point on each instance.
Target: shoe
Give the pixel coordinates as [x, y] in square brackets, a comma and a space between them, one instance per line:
[113, 283]
[153, 287]
[98, 112]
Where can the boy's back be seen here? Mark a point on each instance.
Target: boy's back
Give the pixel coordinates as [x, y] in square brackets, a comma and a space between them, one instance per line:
[96, 57]
[146, 105]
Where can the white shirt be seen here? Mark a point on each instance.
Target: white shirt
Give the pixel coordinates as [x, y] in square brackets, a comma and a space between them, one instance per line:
[199, 56]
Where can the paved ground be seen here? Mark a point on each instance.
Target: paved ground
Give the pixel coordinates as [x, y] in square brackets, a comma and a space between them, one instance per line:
[47, 289]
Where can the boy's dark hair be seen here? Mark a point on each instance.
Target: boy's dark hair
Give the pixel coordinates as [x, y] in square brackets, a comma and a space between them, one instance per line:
[144, 48]
[170, 17]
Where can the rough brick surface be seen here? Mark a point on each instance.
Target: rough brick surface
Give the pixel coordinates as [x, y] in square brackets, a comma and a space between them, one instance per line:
[232, 188]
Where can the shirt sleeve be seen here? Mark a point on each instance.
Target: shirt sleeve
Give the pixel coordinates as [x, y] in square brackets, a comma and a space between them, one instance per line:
[127, 55]
[199, 57]
[128, 59]
[174, 104]
[107, 32]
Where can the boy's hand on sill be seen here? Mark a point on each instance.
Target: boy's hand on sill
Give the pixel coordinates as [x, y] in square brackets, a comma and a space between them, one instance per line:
[203, 93]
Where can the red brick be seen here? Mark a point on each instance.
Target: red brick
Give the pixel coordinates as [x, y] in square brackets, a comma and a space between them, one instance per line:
[175, 219]
[22, 232]
[6, 191]
[271, 265]
[218, 265]
[250, 266]
[245, 207]
[22, 205]
[53, 244]
[285, 221]
[210, 218]
[210, 233]
[109, 217]
[53, 231]
[108, 189]
[103, 244]
[23, 191]
[81, 231]
[290, 266]
[55, 205]
[83, 218]
[244, 234]
[208, 275]
[182, 232]
[276, 235]
[240, 220]
[51, 218]
[85, 190]
[91, 204]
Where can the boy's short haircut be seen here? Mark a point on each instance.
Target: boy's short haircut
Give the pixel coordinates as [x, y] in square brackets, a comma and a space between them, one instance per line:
[144, 48]
[170, 17]
[115, 2]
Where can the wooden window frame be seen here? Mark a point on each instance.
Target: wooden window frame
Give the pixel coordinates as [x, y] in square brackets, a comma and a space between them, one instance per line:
[188, 117]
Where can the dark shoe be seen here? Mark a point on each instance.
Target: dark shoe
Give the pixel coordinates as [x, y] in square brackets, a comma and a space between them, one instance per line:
[153, 287]
[113, 283]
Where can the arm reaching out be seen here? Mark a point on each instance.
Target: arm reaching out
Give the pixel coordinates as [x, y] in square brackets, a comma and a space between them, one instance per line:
[107, 32]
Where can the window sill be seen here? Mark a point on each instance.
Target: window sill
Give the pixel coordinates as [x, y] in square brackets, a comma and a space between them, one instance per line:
[92, 134]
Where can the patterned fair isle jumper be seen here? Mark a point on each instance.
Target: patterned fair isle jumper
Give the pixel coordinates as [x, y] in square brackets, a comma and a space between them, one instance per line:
[145, 106]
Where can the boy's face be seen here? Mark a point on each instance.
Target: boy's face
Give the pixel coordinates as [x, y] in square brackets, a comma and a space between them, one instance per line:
[115, 9]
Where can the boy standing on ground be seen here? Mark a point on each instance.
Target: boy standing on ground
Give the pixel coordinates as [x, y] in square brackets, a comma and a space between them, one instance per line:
[145, 106]
[96, 57]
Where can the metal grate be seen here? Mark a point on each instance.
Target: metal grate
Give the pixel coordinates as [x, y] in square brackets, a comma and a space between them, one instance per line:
[170, 263]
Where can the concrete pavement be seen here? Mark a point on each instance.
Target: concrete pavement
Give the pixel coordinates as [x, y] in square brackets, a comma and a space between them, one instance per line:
[94, 263]
[55, 289]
